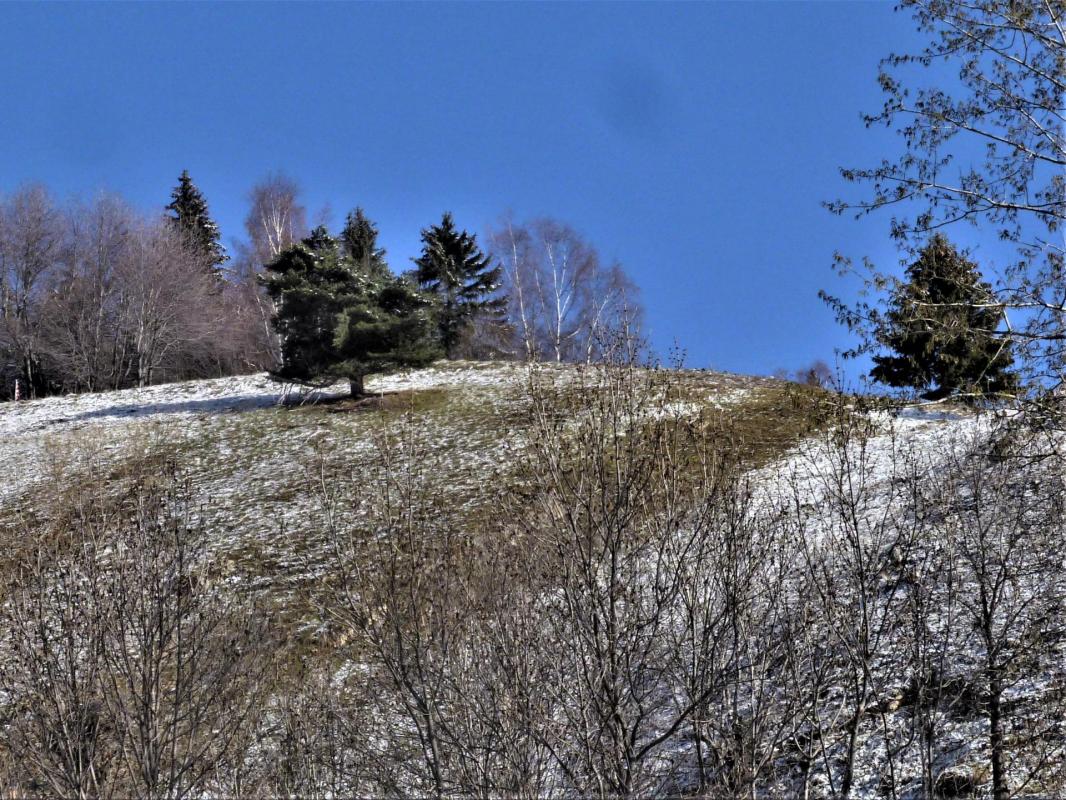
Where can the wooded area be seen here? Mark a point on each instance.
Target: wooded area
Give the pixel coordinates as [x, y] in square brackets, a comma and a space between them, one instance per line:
[98, 296]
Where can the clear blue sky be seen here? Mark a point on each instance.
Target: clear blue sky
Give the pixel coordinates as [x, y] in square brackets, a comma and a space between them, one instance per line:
[692, 142]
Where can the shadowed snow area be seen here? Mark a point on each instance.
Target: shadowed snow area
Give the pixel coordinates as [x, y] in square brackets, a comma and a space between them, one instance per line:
[176, 400]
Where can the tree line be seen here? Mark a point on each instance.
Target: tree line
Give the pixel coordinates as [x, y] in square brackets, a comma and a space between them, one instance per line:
[97, 295]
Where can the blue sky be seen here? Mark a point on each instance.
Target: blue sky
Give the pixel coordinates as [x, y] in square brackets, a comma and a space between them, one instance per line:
[692, 142]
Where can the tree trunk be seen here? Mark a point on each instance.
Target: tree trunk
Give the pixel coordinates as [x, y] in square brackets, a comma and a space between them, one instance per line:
[848, 776]
[355, 385]
[996, 745]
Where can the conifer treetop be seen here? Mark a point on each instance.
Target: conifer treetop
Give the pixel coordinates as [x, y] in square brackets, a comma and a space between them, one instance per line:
[360, 242]
[191, 218]
[942, 328]
[453, 267]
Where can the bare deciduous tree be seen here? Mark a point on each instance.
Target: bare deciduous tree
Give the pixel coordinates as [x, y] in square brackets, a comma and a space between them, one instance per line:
[447, 708]
[30, 240]
[1006, 531]
[660, 597]
[984, 142]
[169, 305]
[850, 558]
[82, 315]
[276, 218]
[56, 730]
[562, 300]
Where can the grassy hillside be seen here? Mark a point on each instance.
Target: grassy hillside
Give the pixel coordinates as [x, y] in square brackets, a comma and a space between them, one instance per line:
[437, 525]
[260, 454]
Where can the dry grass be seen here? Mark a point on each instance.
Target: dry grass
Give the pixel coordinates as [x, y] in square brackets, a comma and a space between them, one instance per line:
[257, 474]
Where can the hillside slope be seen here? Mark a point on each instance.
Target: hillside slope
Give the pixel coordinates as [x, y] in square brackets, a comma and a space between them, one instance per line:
[256, 451]
[856, 515]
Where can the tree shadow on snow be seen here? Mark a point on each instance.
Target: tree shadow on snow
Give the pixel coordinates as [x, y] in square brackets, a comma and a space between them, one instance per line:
[215, 405]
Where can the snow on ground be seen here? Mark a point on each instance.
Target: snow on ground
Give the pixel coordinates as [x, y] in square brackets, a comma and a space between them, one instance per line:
[176, 401]
[32, 432]
[908, 439]
[254, 449]
[254, 452]
[813, 483]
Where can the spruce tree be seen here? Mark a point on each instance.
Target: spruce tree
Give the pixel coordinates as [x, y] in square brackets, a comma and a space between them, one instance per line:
[940, 326]
[338, 320]
[453, 268]
[360, 242]
[191, 218]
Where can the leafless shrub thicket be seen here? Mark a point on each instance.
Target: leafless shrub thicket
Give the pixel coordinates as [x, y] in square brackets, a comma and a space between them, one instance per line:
[642, 621]
[636, 614]
[933, 577]
[95, 296]
[127, 671]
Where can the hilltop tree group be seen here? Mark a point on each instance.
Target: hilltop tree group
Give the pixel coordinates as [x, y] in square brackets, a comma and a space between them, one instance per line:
[98, 296]
[340, 313]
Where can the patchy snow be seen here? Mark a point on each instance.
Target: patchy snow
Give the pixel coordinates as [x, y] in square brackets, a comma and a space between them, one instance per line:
[830, 492]
[33, 432]
[176, 401]
[897, 443]
[254, 454]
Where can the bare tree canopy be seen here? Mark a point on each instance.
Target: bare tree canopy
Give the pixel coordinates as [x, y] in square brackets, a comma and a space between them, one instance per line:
[562, 300]
[30, 242]
[94, 296]
[276, 218]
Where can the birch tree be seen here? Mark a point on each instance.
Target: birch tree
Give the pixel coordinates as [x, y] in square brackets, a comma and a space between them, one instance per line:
[562, 300]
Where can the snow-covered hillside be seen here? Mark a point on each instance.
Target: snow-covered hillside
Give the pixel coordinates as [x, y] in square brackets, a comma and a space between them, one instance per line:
[260, 458]
[34, 434]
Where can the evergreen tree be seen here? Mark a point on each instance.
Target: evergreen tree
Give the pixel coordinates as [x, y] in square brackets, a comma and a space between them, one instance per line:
[360, 242]
[453, 268]
[191, 218]
[940, 327]
[338, 320]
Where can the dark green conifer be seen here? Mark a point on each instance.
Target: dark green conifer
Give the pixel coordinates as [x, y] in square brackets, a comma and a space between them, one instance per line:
[360, 242]
[190, 217]
[940, 328]
[337, 320]
[453, 268]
